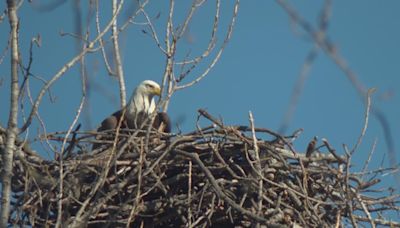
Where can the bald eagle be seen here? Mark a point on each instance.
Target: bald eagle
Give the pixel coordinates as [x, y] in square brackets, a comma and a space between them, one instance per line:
[138, 110]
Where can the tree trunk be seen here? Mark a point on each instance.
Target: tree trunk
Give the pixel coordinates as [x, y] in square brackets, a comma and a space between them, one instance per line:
[8, 153]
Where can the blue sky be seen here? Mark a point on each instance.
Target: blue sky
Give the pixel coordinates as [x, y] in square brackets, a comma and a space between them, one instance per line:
[256, 72]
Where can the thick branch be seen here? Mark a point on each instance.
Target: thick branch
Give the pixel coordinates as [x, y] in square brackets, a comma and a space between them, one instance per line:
[117, 55]
[13, 117]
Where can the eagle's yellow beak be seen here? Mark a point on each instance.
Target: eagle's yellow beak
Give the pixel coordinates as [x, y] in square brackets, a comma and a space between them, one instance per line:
[157, 91]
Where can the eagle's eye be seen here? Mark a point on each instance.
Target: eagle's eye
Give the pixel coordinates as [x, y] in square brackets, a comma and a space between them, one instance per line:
[150, 86]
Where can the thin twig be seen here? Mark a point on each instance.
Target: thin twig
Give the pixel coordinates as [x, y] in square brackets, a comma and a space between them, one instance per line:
[101, 43]
[364, 129]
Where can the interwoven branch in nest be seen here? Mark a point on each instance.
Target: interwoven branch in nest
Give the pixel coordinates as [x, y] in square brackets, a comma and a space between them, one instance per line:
[215, 176]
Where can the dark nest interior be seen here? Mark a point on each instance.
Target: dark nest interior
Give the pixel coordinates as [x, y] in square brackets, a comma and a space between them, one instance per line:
[215, 176]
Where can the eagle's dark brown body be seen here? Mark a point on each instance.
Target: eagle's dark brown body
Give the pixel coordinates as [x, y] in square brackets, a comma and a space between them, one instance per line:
[137, 113]
[161, 122]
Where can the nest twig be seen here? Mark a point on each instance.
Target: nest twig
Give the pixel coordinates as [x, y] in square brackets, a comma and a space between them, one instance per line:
[215, 176]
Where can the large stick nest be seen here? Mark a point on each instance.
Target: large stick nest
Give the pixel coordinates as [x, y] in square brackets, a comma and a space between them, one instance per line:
[215, 176]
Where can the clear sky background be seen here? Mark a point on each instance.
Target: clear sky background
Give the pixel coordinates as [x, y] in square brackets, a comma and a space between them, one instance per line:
[257, 70]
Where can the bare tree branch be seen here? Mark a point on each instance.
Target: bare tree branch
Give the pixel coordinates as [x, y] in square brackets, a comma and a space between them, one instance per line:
[305, 70]
[218, 55]
[12, 128]
[101, 43]
[324, 43]
[117, 54]
[366, 119]
[65, 68]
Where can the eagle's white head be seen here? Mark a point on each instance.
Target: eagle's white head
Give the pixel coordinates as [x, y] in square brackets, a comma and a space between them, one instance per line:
[142, 98]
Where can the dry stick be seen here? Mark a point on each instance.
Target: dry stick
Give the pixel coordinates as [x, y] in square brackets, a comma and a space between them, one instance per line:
[338, 219]
[27, 69]
[26, 88]
[123, 27]
[367, 110]
[171, 49]
[41, 122]
[235, 130]
[285, 187]
[153, 30]
[378, 221]
[12, 128]
[103, 52]
[348, 192]
[61, 157]
[217, 189]
[149, 121]
[220, 158]
[121, 150]
[170, 88]
[190, 194]
[259, 168]
[64, 69]
[117, 56]
[43, 127]
[139, 184]
[162, 156]
[211, 118]
[139, 7]
[109, 195]
[333, 151]
[219, 53]
[195, 5]
[170, 45]
[80, 214]
[303, 185]
[364, 207]
[158, 184]
[210, 46]
[170, 30]
[364, 169]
